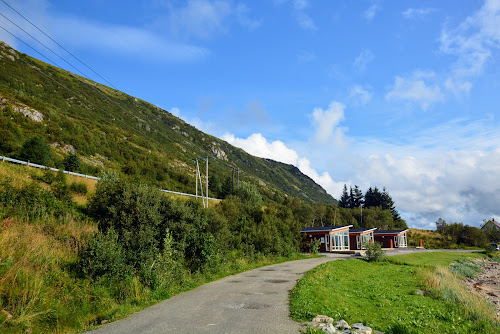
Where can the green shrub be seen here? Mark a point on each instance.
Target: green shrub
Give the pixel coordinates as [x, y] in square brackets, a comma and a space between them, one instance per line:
[314, 246]
[78, 188]
[374, 252]
[102, 256]
[36, 150]
[71, 162]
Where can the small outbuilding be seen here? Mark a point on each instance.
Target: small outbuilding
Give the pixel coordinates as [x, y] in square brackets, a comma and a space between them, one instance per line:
[360, 237]
[391, 238]
[333, 238]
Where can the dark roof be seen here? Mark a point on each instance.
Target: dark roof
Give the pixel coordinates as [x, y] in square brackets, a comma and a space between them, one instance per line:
[361, 230]
[323, 228]
[390, 232]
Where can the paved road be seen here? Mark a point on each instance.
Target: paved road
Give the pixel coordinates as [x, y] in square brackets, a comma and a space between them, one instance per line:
[254, 301]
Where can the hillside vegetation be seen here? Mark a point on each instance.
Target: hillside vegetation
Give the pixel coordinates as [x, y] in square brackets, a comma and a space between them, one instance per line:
[66, 266]
[109, 129]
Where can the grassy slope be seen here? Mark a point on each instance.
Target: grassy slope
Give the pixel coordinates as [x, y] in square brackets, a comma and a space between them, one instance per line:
[39, 290]
[126, 133]
[382, 295]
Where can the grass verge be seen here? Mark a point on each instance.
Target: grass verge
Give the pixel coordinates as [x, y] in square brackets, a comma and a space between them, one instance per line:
[384, 295]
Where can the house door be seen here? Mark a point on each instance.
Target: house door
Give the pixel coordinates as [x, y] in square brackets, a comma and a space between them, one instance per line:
[396, 241]
[358, 242]
[327, 243]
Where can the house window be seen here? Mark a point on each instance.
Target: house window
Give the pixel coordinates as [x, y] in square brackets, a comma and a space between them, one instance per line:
[402, 240]
[367, 238]
[340, 240]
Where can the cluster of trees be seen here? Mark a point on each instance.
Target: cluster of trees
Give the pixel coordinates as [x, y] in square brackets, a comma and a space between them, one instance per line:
[373, 197]
[461, 234]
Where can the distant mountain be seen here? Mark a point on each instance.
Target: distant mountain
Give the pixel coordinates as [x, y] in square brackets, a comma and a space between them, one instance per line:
[109, 129]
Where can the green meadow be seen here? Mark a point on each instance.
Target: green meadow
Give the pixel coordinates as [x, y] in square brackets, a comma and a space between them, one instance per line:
[384, 295]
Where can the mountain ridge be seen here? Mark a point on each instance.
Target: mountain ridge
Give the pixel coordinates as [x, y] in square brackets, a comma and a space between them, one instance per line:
[124, 132]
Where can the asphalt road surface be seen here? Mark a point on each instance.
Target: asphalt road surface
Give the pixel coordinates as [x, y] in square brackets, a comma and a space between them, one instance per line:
[254, 301]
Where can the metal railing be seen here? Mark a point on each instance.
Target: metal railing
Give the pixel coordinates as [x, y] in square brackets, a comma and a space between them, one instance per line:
[30, 164]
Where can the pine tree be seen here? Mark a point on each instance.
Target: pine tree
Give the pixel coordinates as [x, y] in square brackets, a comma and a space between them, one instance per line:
[344, 201]
[357, 197]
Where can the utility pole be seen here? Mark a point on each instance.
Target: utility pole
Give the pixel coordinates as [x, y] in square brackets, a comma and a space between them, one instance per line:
[232, 189]
[207, 182]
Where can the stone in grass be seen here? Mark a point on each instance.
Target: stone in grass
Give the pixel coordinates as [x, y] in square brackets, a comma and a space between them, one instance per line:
[361, 329]
[328, 328]
[342, 324]
[322, 319]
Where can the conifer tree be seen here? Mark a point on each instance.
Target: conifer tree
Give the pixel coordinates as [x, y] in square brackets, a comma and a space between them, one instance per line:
[344, 201]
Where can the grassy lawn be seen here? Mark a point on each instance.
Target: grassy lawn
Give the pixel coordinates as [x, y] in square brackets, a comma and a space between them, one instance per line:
[383, 296]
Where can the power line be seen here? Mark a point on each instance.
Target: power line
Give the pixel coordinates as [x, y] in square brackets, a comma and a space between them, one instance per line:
[149, 123]
[62, 47]
[45, 46]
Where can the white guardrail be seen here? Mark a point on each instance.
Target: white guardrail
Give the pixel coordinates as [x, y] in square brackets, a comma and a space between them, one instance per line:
[30, 164]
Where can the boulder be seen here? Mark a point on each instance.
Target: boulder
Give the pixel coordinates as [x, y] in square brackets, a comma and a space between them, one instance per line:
[322, 319]
[328, 328]
[342, 324]
[361, 329]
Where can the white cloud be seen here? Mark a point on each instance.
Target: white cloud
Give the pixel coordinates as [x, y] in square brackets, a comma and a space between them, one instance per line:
[415, 89]
[457, 86]
[370, 13]
[474, 40]
[360, 95]
[362, 61]
[199, 18]
[257, 145]
[130, 41]
[175, 111]
[324, 179]
[326, 122]
[415, 13]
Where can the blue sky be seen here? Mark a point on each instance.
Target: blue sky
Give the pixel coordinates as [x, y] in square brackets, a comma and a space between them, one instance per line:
[401, 94]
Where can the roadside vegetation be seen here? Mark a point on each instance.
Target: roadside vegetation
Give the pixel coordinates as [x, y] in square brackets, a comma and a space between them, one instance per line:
[66, 265]
[414, 293]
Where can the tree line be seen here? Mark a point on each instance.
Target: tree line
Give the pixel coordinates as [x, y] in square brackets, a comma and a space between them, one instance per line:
[373, 197]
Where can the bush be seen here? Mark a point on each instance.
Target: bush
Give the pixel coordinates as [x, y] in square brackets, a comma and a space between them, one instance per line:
[314, 246]
[102, 256]
[374, 252]
[36, 150]
[78, 188]
[71, 163]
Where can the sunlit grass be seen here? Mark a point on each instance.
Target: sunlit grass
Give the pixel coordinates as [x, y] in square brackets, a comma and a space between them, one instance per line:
[384, 295]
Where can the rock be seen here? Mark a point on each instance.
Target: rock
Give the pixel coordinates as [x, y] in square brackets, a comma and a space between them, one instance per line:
[328, 328]
[342, 324]
[420, 292]
[361, 329]
[322, 319]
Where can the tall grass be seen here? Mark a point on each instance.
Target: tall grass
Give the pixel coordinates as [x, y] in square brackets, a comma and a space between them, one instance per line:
[33, 259]
[442, 284]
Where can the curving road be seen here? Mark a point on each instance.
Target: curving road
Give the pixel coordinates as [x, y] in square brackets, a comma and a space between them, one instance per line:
[254, 301]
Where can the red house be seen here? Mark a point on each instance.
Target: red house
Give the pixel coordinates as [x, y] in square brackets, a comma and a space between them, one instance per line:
[360, 237]
[391, 238]
[333, 238]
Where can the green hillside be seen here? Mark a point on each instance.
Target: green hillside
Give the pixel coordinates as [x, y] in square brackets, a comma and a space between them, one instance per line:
[109, 129]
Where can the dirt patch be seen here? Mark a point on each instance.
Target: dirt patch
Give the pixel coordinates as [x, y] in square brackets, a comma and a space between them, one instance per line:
[487, 283]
